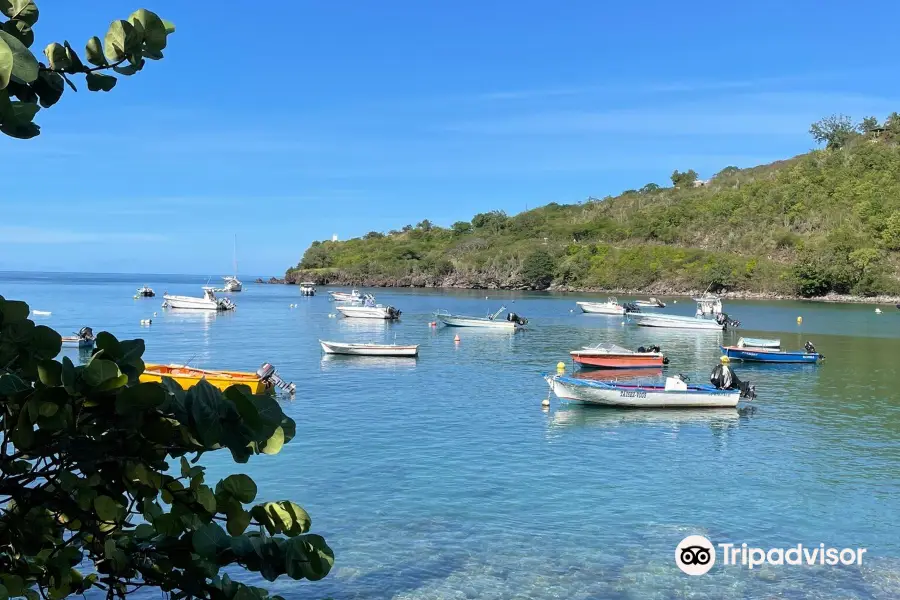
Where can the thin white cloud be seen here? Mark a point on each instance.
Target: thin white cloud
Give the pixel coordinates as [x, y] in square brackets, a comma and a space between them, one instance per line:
[42, 236]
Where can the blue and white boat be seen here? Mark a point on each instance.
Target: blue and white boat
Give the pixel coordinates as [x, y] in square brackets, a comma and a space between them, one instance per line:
[724, 392]
[772, 355]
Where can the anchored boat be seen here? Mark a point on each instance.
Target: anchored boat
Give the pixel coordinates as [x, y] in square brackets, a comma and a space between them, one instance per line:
[353, 296]
[369, 349]
[772, 355]
[207, 302]
[651, 303]
[512, 322]
[611, 356]
[307, 288]
[719, 321]
[610, 307]
[265, 378]
[83, 340]
[145, 292]
[369, 310]
[723, 391]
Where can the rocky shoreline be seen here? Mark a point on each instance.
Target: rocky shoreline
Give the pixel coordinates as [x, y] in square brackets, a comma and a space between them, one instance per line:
[457, 282]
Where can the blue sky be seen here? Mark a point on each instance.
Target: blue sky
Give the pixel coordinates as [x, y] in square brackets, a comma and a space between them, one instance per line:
[301, 119]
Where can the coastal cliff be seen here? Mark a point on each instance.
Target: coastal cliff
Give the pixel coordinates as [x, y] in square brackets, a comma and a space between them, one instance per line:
[822, 224]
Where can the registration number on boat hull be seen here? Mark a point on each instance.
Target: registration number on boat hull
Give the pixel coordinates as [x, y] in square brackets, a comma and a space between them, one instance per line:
[632, 394]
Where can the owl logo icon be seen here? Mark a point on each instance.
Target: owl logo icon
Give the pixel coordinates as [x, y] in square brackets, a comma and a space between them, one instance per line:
[695, 555]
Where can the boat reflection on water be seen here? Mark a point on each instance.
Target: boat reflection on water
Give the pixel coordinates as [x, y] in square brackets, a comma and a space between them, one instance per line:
[187, 315]
[340, 361]
[574, 416]
[616, 374]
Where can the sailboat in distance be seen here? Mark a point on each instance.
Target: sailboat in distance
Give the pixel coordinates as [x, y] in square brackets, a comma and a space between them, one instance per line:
[232, 283]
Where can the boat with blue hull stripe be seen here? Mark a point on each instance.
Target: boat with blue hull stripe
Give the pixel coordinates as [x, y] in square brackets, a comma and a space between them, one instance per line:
[770, 356]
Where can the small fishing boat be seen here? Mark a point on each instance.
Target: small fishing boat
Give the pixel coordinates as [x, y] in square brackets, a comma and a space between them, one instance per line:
[679, 322]
[369, 349]
[724, 391]
[41, 313]
[610, 307]
[369, 310]
[512, 322]
[611, 356]
[207, 302]
[353, 296]
[307, 288]
[145, 292]
[772, 355]
[265, 378]
[746, 342]
[708, 304]
[651, 303]
[83, 340]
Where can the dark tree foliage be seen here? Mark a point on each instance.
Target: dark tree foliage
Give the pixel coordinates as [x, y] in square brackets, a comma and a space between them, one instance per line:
[88, 495]
[537, 269]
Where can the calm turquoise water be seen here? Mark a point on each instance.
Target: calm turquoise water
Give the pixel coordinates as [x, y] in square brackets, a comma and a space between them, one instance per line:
[444, 478]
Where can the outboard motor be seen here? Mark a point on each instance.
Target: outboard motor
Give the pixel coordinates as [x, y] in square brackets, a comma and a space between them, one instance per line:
[514, 318]
[808, 346]
[86, 333]
[723, 378]
[269, 376]
[393, 312]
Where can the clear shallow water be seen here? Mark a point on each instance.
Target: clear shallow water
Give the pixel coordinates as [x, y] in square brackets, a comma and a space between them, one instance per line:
[443, 478]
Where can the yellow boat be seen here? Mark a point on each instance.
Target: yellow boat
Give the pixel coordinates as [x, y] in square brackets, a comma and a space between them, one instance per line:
[261, 381]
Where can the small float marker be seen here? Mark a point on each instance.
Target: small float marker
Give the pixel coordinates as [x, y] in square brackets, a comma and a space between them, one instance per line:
[456, 339]
[799, 320]
[545, 403]
[877, 311]
[146, 321]
[560, 367]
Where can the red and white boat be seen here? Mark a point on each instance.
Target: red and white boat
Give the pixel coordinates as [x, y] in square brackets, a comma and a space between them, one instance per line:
[610, 356]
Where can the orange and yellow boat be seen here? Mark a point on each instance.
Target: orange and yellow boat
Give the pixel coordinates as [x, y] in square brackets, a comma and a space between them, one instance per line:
[262, 381]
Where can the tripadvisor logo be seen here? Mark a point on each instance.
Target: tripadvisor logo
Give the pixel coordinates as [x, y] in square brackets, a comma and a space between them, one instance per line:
[696, 555]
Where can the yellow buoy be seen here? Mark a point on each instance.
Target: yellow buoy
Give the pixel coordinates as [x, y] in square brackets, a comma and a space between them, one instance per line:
[561, 366]
[725, 359]
[799, 320]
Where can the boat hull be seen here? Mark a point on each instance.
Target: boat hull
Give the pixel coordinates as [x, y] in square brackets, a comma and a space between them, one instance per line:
[188, 377]
[769, 356]
[368, 312]
[74, 342]
[677, 322]
[601, 308]
[640, 396]
[617, 361]
[369, 349]
[457, 321]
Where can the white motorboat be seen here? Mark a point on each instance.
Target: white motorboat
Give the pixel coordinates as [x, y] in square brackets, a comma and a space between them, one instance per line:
[145, 292]
[207, 302]
[610, 307]
[83, 340]
[353, 296]
[369, 349]
[307, 288]
[726, 391]
[511, 323]
[708, 305]
[651, 303]
[679, 322]
[369, 310]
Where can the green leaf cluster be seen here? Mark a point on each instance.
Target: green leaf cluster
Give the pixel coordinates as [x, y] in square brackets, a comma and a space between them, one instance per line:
[27, 85]
[88, 493]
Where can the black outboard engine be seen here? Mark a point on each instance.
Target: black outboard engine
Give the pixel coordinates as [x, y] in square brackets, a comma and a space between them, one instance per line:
[394, 313]
[630, 307]
[808, 346]
[514, 318]
[724, 319]
[86, 333]
[723, 378]
[270, 377]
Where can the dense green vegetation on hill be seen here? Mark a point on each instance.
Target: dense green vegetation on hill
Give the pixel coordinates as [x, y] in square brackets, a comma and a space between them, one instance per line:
[826, 221]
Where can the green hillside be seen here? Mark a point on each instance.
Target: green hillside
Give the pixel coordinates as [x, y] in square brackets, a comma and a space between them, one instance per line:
[826, 221]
